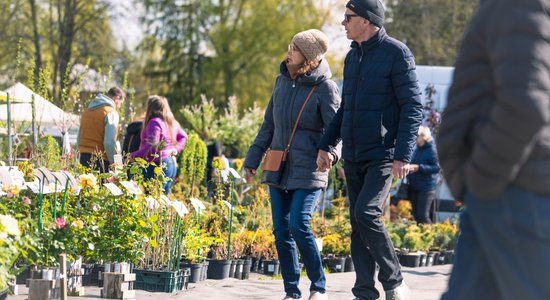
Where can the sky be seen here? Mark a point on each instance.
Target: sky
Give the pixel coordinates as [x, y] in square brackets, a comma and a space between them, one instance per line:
[129, 31]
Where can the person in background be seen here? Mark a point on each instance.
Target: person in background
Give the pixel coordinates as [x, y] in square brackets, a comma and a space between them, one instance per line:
[377, 124]
[424, 168]
[293, 197]
[99, 129]
[132, 137]
[494, 148]
[162, 139]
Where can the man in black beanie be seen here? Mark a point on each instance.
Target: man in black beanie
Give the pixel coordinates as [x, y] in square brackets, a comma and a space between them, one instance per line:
[377, 122]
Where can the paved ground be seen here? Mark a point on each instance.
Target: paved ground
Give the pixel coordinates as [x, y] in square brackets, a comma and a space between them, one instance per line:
[426, 283]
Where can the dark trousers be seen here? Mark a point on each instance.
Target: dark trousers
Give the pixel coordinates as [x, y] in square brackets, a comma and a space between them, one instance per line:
[169, 170]
[100, 165]
[368, 186]
[422, 205]
[291, 212]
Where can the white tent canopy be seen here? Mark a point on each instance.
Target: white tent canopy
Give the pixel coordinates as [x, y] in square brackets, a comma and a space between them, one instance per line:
[49, 118]
[47, 114]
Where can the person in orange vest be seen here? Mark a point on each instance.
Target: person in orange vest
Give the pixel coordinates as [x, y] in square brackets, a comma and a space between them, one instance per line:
[99, 129]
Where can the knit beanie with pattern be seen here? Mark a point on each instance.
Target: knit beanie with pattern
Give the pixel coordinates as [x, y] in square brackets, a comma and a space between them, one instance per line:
[312, 43]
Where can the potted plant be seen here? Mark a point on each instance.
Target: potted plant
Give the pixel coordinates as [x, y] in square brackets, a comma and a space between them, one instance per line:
[196, 243]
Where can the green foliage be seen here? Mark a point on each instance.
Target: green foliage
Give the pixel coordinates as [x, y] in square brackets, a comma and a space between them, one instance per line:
[432, 29]
[196, 243]
[200, 47]
[192, 164]
[337, 245]
[49, 153]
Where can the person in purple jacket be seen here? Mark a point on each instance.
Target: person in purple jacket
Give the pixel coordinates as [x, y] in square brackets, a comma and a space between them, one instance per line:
[162, 139]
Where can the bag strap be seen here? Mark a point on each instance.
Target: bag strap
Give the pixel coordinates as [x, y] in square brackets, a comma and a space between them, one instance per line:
[299, 116]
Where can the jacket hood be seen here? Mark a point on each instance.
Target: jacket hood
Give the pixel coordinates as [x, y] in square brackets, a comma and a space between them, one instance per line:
[101, 100]
[315, 76]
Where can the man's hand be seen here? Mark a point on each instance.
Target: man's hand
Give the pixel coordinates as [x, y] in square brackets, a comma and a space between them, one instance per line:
[249, 174]
[400, 169]
[324, 160]
[413, 168]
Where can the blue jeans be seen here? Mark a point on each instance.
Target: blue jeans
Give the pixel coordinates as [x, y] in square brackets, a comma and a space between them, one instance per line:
[503, 248]
[291, 213]
[169, 170]
[368, 187]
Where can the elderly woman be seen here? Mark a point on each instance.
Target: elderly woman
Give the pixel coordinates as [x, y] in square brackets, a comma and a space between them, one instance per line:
[294, 191]
[422, 180]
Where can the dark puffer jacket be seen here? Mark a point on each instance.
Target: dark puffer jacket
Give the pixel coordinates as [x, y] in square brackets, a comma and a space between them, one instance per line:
[282, 111]
[428, 167]
[495, 131]
[381, 108]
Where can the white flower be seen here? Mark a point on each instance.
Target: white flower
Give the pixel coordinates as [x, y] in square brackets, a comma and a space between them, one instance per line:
[8, 225]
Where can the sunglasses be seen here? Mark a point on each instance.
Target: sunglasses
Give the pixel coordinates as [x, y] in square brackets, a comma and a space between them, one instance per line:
[347, 17]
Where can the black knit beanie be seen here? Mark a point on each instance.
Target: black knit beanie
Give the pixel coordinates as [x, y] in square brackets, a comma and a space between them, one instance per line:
[372, 10]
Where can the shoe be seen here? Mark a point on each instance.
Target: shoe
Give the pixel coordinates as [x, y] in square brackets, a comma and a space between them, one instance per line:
[401, 292]
[315, 295]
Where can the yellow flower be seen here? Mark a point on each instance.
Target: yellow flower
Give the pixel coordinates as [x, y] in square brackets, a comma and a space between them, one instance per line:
[237, 164]
[87, 180]
[78, 224]
[218, 163]
[11, 188]
[158, 171]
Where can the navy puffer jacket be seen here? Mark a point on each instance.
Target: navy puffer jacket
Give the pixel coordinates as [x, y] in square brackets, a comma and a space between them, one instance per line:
[428, 167]
[381, 108]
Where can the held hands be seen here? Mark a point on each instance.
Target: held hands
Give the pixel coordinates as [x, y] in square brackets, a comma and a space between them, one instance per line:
[400, 169]
[249, 174]
[324, 160]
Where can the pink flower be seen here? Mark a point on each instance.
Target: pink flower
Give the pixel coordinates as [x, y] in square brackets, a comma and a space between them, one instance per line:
[10, 195]
[26, 200]
[60, 222]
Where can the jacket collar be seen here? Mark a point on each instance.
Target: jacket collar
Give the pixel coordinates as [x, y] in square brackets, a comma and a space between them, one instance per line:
[373, 42]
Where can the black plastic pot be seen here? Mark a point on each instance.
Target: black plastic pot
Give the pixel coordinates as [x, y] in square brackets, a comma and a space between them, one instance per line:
[348, 266]
[195, 271]
[218, 269]
[409, 260]
[255, 263]
[239, 269]
[335, 264]
[247, 264]
[232, 268]
[271, 267]
[430, 259]
[204, 271]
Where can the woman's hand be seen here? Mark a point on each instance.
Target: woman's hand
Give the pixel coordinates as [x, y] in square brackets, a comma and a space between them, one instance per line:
[249, 174]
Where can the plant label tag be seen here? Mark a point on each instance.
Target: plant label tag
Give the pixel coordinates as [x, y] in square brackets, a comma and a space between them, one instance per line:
[227, 204]
[180, 208]
[132, 187]
[234, 173]
[5, 177]
[115, 190]
[152, 203]
[34, 186]
[197, 204]
[271, 268]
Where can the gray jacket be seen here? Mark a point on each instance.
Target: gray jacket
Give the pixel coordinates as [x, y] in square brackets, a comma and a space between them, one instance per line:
[496, 127]
[288, 96]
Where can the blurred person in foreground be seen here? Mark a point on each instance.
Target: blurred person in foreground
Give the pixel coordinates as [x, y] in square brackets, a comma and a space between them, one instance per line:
[494, 148]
